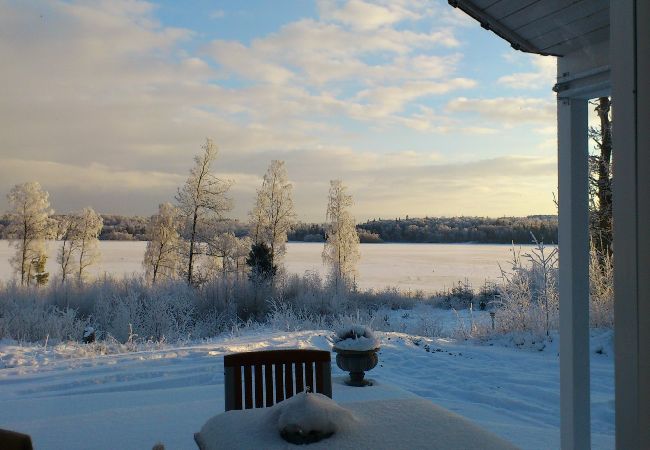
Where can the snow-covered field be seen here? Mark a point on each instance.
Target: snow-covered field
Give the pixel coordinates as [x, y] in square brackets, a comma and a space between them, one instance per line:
[67, 397]
[427, 267]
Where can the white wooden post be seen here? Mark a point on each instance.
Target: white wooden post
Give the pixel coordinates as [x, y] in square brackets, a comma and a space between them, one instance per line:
[630, 45]
[574, 273]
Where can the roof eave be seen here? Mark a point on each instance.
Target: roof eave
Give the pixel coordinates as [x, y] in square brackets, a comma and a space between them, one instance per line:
[490, 23]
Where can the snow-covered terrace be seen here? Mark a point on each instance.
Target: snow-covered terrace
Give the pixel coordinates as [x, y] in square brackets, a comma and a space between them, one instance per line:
[71, 397]
[603, 48]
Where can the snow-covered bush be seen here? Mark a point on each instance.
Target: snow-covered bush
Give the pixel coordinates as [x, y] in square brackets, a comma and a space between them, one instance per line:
[461, 296]
[155, 313]
[131, 309]
[355, 337]
[528, 296]
[601, 289]
[308, 292]
[283, 316]
[393, 298]
[26, 316]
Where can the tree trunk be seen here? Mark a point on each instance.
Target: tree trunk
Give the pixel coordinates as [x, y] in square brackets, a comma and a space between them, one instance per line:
[192, 237]
[24, 254]
[604, 238]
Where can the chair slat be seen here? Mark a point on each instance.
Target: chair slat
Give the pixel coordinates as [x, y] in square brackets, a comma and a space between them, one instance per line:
[237, 382]
[259, 387]
[319, 376]
[288, 380]
[300, 380]
[309, 376]
[248, 387]
[279, 383]
[268, 383]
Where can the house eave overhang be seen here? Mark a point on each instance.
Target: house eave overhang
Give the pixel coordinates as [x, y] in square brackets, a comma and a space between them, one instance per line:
[492, 24]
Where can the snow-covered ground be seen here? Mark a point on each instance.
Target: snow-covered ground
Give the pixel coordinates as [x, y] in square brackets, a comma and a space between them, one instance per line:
[70, 398]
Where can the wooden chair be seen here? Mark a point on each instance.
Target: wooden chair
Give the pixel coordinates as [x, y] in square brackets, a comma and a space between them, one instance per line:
[11, 440]
[279, 372]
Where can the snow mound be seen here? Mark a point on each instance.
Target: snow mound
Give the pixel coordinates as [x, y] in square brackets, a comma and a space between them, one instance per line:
[310, 413]
[355, 337]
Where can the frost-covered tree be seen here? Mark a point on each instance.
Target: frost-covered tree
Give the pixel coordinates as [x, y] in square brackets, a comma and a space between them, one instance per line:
[224, 247]
[88, 225]
[341, 252]
[29, 226]
[40, 275]
[244, 245]
[273, 213]
[64, 257]
[161, 258]
[227, 253]
[202, 197]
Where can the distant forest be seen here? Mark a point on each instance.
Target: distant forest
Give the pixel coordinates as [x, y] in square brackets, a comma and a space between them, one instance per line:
[503, 230]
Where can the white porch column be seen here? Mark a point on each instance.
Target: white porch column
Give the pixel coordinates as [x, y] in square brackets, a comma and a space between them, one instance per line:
[574, 273]
[630, 44]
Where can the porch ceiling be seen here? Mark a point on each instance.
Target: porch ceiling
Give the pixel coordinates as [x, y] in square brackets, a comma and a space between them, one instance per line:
[546, 27]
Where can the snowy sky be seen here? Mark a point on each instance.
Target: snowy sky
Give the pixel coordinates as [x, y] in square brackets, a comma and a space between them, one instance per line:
[417, 108]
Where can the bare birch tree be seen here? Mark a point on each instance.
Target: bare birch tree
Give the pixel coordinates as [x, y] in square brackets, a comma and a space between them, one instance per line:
[273, 214]
[224, 247]
[244, 245]
[341, 251]
[29, 226]
[85, 239]
[64, 257]
[203, 196]
[161, 258]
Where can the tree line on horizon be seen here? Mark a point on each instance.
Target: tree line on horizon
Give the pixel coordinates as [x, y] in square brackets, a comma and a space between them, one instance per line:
[484, 230]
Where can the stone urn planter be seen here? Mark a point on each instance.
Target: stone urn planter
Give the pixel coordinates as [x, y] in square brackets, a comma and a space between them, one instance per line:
[356, 352]
[357, 363]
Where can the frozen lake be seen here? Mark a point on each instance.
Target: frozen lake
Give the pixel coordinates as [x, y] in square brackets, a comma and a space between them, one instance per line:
[429, 267]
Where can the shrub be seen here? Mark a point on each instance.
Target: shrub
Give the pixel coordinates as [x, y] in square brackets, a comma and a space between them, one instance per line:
[528, 297]
[601, 289]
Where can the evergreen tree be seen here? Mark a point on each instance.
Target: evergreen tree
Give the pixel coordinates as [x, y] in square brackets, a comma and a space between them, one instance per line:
[260, 261]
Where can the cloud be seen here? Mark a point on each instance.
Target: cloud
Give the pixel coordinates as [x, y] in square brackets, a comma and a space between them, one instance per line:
[508, 111]
[106, 106]
[319, 53]
[541, 77]
[366, 15]
[217, 14]
[363, 15]
[313, 69]
[239, 59]
[413, 184]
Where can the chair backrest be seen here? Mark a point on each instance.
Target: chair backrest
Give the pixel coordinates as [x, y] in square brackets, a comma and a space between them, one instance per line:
[271, 376]
[11, 440]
